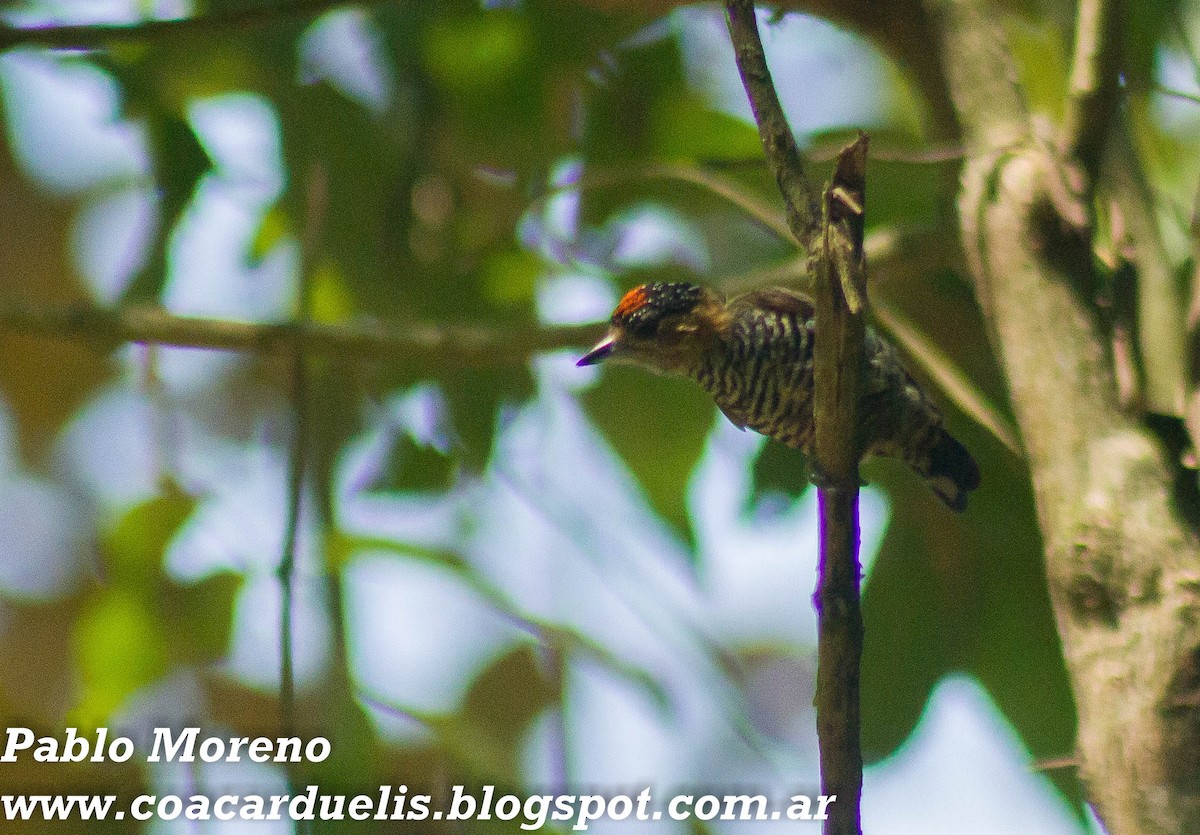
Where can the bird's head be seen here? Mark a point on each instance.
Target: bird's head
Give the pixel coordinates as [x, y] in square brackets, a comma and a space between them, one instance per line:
[666, 327]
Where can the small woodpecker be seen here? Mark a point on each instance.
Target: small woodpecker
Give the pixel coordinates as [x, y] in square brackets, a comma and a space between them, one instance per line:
[754, 355]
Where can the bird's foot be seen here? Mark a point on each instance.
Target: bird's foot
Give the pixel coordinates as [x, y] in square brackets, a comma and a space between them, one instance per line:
[818, 476]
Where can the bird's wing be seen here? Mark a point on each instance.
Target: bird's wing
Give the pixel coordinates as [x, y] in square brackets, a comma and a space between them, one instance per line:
[773, 298]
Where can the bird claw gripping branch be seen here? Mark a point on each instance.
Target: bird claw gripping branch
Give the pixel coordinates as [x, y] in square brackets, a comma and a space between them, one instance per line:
[754, 355]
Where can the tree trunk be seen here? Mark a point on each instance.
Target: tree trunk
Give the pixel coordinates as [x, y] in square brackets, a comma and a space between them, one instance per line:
[1124, 568]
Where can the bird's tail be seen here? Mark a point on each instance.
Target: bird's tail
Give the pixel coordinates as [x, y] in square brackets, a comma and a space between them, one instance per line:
[953, 473]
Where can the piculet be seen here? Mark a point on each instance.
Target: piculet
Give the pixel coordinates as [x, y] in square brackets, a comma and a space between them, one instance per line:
[754, 355]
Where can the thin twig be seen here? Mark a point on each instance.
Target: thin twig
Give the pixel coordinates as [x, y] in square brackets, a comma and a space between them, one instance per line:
[316, 196]
[315, 202]
[100, 35]
[1170, 92]
[1056, 764]
[783, 156]
[466, 345]
[1095, 84]
[724, 187]
[287, 562]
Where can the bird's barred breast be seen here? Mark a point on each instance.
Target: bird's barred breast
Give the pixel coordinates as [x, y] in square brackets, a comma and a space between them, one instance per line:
[762, 377]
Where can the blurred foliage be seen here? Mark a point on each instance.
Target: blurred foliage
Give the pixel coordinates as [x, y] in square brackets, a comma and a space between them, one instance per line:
[428, 194]
[674, 444]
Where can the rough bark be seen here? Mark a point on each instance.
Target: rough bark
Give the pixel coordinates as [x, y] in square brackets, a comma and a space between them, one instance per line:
[1124, 568]
[838, 363]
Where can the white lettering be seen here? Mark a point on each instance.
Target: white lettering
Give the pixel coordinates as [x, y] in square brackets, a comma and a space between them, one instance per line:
[317, 749]
[120, 749]
[164, 738]
[212, 749]
[19, 739]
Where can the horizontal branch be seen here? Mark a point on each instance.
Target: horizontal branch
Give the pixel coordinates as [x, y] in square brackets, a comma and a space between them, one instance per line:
[466, 345]
[95, 36]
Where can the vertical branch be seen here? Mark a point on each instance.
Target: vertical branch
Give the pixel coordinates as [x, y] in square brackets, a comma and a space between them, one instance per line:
[833, 236]
[1095, 85]
[1191, 412]
[837, 370]
[287, 563]
[298, 453]
[1160, 314]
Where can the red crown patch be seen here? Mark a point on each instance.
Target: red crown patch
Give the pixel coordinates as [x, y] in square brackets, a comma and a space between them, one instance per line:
[631, 302]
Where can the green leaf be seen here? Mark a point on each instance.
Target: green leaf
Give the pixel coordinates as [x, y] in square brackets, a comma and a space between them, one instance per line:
[198, 617]
[272, 230]
[134, 546]
[507, 696]
[342, 547]
[485, 737]
[621, 111]
[477, 398]
[950, 593]
[686, 127]
[477, 52]
[509, 278]
[658, 425]
[414, 466]
[140, 622]
[907, 611]
[331, 302]
[180, 162]
[1144, 29]
[779, 469]
[119, 647]
[355, 761]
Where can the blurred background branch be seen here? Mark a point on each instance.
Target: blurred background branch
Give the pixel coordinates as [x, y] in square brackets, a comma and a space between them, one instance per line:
[101, 35]
[1095, 85]
[470, 346]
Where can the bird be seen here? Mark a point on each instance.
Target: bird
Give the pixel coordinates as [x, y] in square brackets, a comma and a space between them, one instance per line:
[754, 355]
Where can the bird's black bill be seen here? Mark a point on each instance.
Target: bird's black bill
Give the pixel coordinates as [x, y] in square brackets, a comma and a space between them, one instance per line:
[596, 354]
